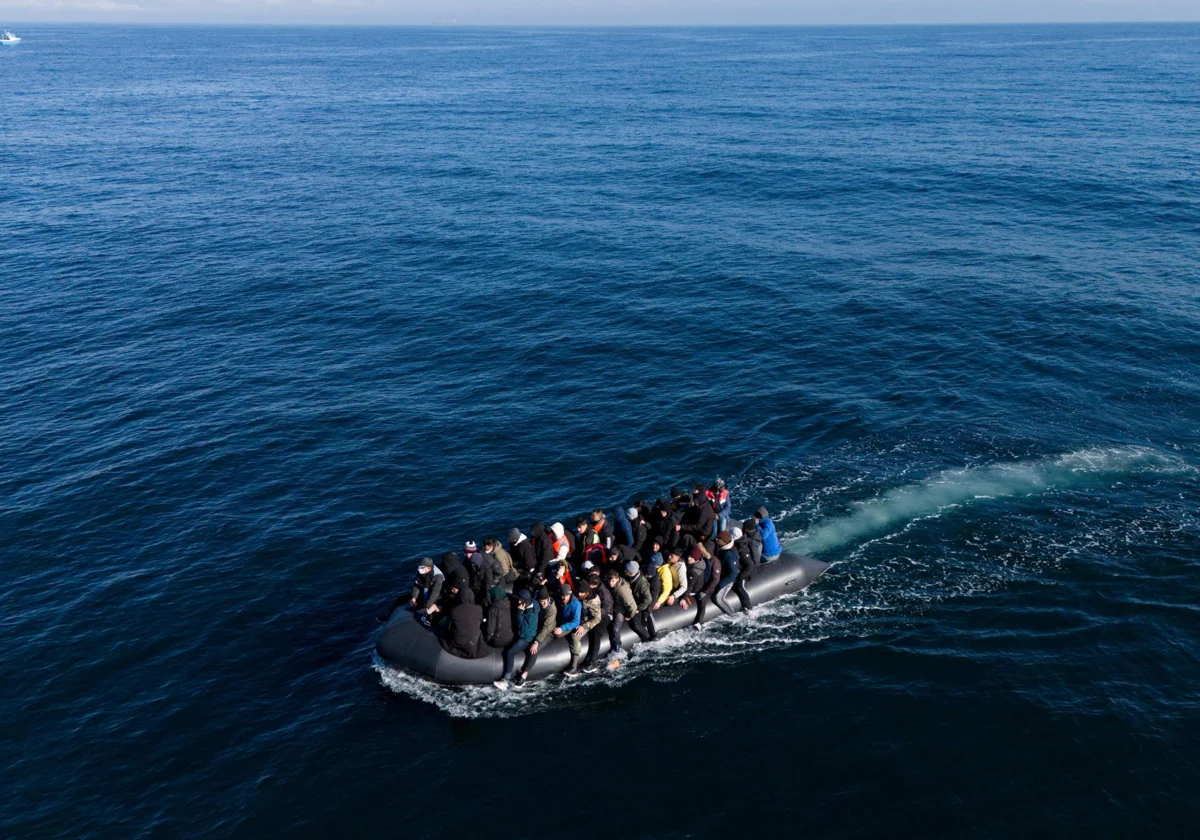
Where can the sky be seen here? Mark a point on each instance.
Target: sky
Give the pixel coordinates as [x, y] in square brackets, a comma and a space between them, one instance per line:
[596, 12]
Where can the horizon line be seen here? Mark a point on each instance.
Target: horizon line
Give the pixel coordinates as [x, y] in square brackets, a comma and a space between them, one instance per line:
[455, 25]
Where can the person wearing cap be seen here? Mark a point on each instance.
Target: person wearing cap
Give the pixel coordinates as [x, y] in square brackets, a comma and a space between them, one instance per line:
[527, 616]
[641, 531]
[570, 616]
[600, 591]
[718, 496]
[524, 556]
[591, 620]
[642, 620]
[624, 607]
[427, 588]
[546, 622]
[728, 556]
[771, 545]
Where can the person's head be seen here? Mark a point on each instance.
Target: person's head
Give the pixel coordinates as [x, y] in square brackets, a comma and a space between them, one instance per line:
[675, 493]
[597, 515]
[612, 577]
[698, 488]
[543, 597]
[719, 485]
[749, 526]
[514, 534]
[694, 556]
[724, 539]
[583, 590]
[632, 569]
[453, 591]
[736, 533]
[685, 500]
[524, 599]
[565, 595]
[425, 565]
[581, 524]
[632, 513]
[674, 556]
[490, 544]
[470, 548]
[538, 579]
[656, 545]
[594, 580]
[558, 530]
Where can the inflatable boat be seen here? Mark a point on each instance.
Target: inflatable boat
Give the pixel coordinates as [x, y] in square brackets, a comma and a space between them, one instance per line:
[407, 644]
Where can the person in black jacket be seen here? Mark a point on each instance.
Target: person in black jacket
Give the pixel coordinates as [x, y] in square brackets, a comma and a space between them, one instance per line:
[524, 555]
[640, 530]
[698, 520]
[456, 574]
[543, 547]
[463, 631]
[747, 561]
[498, 622]
[595, 634]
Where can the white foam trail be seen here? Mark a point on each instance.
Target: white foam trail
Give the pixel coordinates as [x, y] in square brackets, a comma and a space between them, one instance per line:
[951, 488]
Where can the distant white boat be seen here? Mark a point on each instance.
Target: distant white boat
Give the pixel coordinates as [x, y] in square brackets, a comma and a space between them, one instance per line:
[9, 38]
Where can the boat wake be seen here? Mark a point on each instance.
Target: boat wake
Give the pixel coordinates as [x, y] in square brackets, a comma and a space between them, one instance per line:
[883, 592]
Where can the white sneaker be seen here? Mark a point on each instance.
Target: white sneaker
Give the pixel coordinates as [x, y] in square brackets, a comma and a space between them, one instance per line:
[501, 684]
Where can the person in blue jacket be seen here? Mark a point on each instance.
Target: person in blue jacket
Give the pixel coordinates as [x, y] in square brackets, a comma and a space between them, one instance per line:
[771, 547]
[569, 616]
[527, 626]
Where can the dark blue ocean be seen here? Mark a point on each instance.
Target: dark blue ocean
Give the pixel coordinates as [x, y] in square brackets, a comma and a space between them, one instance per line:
[283, 309]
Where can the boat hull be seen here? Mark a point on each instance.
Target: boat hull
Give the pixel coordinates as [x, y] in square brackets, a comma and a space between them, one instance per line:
[408, 645]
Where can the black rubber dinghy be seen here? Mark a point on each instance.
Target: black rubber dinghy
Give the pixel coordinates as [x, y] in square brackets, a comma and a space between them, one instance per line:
[410, 646]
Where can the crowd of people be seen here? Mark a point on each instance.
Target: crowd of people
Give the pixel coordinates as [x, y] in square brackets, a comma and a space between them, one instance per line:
[588, 582]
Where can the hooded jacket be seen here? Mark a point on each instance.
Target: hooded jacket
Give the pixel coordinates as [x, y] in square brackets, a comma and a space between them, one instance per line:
[543, 547]
[463, 635]
[455, 572]
[698, 520]
[524, 555]
[623, 532]
[751, 542]
[560, 542]
[482, 576]
[427, 588]
[640, 589]
[527, 621]
[771, 544]
[498, 624]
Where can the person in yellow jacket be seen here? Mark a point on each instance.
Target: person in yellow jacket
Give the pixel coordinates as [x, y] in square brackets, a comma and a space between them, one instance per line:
[666, 581]
[673, 575]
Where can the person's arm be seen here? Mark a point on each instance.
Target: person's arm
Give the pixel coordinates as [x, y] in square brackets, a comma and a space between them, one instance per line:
[572, 619]
[592, 617]
[681, 590]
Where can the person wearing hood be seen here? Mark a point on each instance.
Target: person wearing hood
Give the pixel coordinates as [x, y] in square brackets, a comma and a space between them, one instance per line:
[662, 525]
[463, 631]
[524, 556]
[503, 560]
[560, 540]
[570, 617]
[771, 545]
[498, 619]
[527, 617]
[599, 592]
[543, 547]
[698, 520]
[480, 571]
[602, 528]
[426, 589]
[753, 542]
[730, 570]
[621, 556]
[642, 620]
[746, 543]
[622, 533]
[640, 531]
[546, 623]
[456, 574]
